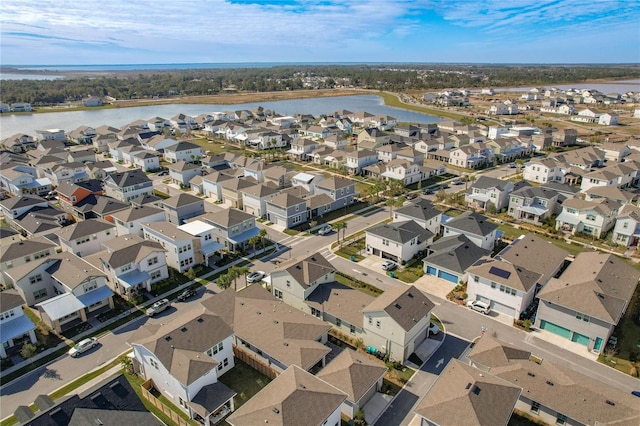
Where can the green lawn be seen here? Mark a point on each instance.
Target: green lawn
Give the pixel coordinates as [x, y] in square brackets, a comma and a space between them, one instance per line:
[511, 233]
[245, 381]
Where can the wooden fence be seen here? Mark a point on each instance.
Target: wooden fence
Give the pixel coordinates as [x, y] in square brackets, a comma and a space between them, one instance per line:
[255, 363]
[146, 394]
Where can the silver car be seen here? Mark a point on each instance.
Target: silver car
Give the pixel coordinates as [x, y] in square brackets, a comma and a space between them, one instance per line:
[83, 346]
[158, 307]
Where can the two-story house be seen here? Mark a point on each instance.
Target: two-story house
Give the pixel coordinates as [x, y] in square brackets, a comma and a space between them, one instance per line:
[15, 326]
[471, 156]
[181, 207]
[627, 228]
[131, 264]
[475, 226]
[397, 321]
[450, 257]
[398, 241]
[182, 173]
[232, 228]
[130, 221]
[205, 232]
[533, 204]
[588, 300]
[302, 148]
[21, 252]
[183, 250]
[183, 151]
[14, 207]
[402, 170]
[128, 185]
[73, 287]
[545, 170]
[341, 191]
[286, 210]
[184, 359]
[86, 237]
[421, 211]
[589, 217]
[358, 160]
[487, 190]
[371, 138]
[254, 199]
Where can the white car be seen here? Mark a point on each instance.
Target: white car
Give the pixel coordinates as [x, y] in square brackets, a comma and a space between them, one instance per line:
[326, 229]
[254, 277]
[389, 266]
[158, 307]
[479, 306]
[83, 346]
[433, 329]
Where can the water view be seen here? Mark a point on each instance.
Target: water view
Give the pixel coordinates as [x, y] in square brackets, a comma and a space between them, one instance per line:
[12, 124]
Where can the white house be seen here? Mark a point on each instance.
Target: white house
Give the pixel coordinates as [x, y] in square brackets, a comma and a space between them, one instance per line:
[130, 221]
[474, 226]
[86, 237]
[398, 241]
[589, 217]
[15, 326]
[627, 228]
[183, 250]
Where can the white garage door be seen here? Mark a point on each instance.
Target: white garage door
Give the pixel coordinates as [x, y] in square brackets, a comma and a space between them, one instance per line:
[504, 309]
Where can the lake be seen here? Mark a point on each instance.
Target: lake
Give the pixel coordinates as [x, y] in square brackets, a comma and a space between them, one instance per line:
[29, 123]
[12, 76]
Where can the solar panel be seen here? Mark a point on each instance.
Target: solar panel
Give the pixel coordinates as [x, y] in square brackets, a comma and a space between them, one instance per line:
[499, 272]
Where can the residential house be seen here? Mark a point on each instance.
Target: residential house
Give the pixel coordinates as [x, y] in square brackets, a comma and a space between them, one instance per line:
[100, 169]
[86, 237]
[402, 170]
[184, 358]
[8, 236]
[15, 327]
[382, 122]
[14, 207]
[608, 119]
[358, 160]
[183, 250]
[398, 241]
[21, 107]
[71, 194]
[341, 191]
[355, 374]
[295, 397]
[74, 172]
[261, 139]
[316, 132]
[182, 172]
[231, 190]
[205, 232]
[21, 252]
[22, 179]
[254, 199]
[302, 148]
[183, 151]
[475, 226]
[125, 186]
[421, 211]
[131, 264]
[371, 138]
[147, 161]
[182, 123]
[387, 153]
[588, 300]
[41, 222]
[159, 143]
[589, 217]
[97, 206]
[627, 228]
[487, 190]
[545, 170]
[147, 200]
[622, 175]
[450, 257]
[82, 156]
[181, 207]
[471, 156]
[18, 143]
[612, 193]
[73, 288]
[551, 393]
[615, 151]
[232, 228]
[480, 399]
[286, 210]
[269, 331]
[397, 321]
[51, 134]
[533, 204]
[130, 221]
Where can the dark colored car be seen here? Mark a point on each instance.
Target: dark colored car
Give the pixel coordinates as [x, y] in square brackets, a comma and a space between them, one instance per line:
[186, 294]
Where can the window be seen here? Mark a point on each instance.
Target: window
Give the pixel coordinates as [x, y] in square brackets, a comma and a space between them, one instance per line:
[583, 317]
[378, 323]
[288, 283]
[476, 278]
[225, 362]
[591, 217]
[535, 407]
[152, 261]
[126, 268]
[182, 402]
[35, 279]
[7, 314]
[90, 286]
[502, 288]
[338, 322]
[277, 294]
[155, 275]
[315, 312]
[561, 419]
[370, 321]
[153, 363]
[385, 242]
[493, 285]
[352, 329]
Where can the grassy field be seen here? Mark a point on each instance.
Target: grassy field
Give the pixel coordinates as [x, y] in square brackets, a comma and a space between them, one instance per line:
[393, 101]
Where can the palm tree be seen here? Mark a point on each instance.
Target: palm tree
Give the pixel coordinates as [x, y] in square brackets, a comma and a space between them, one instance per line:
[254, 241]
[237, 271]
[344, 232]
[395, 202]
[224, 281]
[262, 233]
[338, 226]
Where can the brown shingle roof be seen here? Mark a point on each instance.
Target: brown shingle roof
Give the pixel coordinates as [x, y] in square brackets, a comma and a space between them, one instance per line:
[406, 305]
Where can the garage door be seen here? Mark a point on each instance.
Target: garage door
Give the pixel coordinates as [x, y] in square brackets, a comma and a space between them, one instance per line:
[580, 338]
[555, 329]
[447, 276]
[431, 270]
[504, 309]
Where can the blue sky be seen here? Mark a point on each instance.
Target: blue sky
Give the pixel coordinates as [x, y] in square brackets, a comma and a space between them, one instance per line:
[59, 32]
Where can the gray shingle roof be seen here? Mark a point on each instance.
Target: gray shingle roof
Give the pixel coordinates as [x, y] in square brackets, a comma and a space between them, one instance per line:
[182, 200]
[128, 178]
[455, 253]
[401, 232]
[472, 223]
[421, 209]
[406, 305]
[10, 299]
[25, 247]
[84, 228]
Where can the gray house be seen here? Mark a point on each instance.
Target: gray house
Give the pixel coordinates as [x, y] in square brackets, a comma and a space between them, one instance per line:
[588, 300]
[422, 212]
[182, 172]
[182, 207]
[340, 190]
[450, 257]
[286, 210]
[488, 190]
[533, 204]
[233, 228]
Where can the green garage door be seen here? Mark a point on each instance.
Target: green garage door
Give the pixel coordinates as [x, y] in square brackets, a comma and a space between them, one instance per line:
[555, 329]
[580, 338]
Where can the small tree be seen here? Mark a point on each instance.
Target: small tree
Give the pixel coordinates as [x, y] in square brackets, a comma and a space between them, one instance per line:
[441, 195]
[359, 418]
[127, 364]
[491, 208]
[338, 226]
[28, 350]
[191, 274]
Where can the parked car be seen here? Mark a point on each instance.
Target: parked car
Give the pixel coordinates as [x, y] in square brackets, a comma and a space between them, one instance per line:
[255, 276]
[457, 181]
[512, 165]
[480, 306]
[158, 307]
[434, 329]
[190, 292]
[163, 173]
[326, 229]
[412, 195]
[83, 346]
[389, 266]
[428, 191]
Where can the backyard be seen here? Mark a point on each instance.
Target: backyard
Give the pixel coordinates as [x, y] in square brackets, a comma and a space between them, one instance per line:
[245, 381]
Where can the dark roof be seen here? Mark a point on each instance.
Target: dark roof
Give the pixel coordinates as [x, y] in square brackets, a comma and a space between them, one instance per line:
[141, 200]
[455, 253]
[421, 209]
[24, 200]
[182, 146]
[68, 187]
[112, 403]
[25, 247]
[10, 299]
[211, 397]
[84, 228]
[309, 269]
[128, 178]
[535, 192]
[181, 200]
[400, 232]
[472, 223]
[7, 232]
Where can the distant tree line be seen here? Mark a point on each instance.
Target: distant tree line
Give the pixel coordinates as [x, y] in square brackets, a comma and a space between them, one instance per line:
[161, 84]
